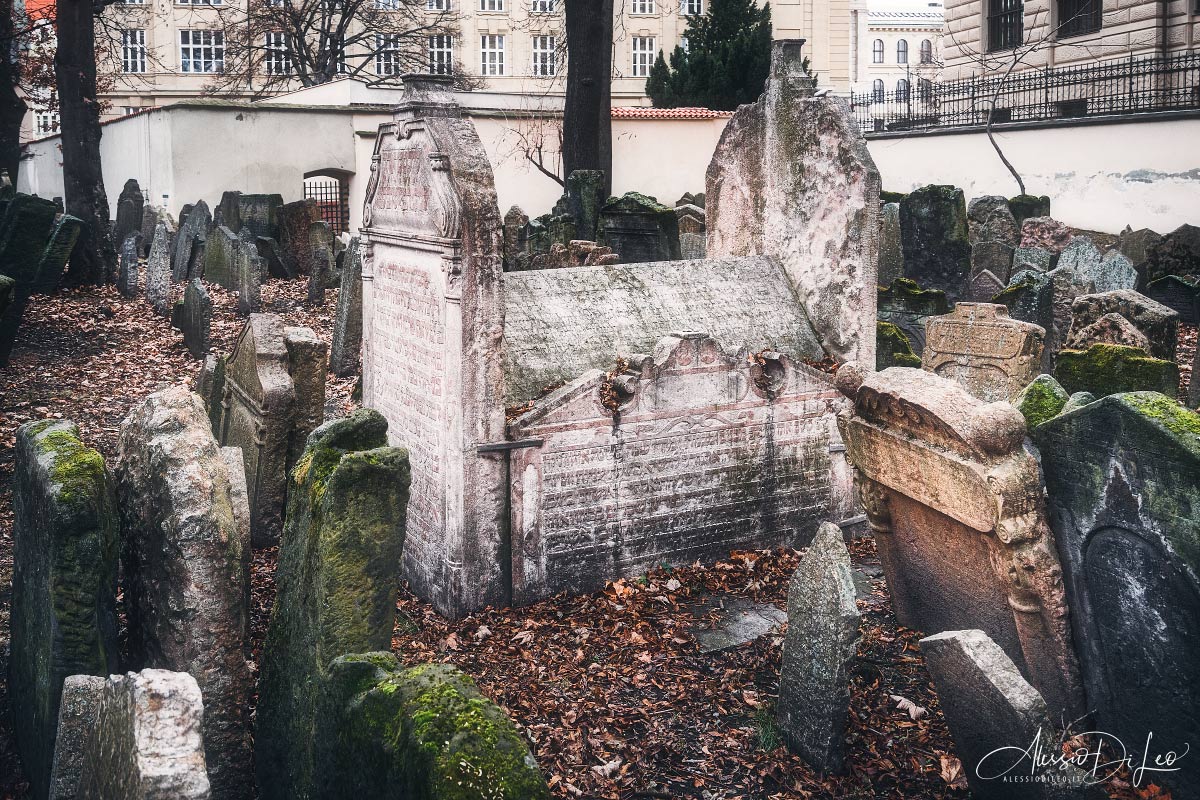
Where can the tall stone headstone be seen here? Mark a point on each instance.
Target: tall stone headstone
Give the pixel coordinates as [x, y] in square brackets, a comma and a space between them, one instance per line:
[1123, 479]
[936, 240]
[256, 213]
[158, 271]
[1135, 245]
[77, 715]
[1158, 323]
[822, 638]
[638, 228]
[693, 231]
[130, 205]
[982, 349]
[994, 235]
[147, 742]
[753, 192]
[64, 586]
[891, 249]
[185, 558]
[219, 255]
[308, 365]
[53, 261]
[249, 270]
[128, 283]
[295, 219]
[339, 567]
[197, 318]
[25, 227]
[345, 351]
[907, 306]
[957, 506]
[188, 258]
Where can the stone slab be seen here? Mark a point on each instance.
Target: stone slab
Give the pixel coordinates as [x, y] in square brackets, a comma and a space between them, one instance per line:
[985, 351]
[76, 718]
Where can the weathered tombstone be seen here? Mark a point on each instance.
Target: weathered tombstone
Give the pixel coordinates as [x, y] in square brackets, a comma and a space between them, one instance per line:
[186, 564]
[53, 261]
[934, 235]
[197, 318]
[821, 641]
[958, 511]
[271, 254]
[1076, 401]
[639, 228]
[25, 229]
[339, 567]
[295, 219]
[319, 276]
[77, 714]
[438, 737]
[127, 276]
[189, 257]
[1082, 259]
[147, 742]
[347, 322]
[1105, 369]
[891, 248]
[210, 385]
[1112, 328]
[1178, 294]
[693, 237]
[1123, 477]
[984, 286]
[130, 205]
[515, 222]
[158, 271]
[1178, 253]
[308, 364]
[993, 234]
[219, 255]
[981, 348]
[1024, 206]
[1115, 272]
[248, 271]
[585, 196]
[64, 582]
[1033, 257]
[1157, 322]
[1047, 233]
[1044, 398]
[257, 213]
[906, 305]
[149, 223]
[755, 189]
[892, 348]
[1136, 245]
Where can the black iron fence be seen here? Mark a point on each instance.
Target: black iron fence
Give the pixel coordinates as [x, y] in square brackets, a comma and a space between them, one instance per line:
[1119, 86]
[332, 202]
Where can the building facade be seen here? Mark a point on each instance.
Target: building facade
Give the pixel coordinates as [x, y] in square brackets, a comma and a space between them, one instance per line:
[900, 46]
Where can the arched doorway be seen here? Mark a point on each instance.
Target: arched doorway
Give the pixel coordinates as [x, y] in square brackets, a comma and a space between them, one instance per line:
[330, 189]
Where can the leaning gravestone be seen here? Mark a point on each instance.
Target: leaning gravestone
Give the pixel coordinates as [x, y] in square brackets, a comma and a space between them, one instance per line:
[76, 719]
[64, 586]
[956, 504]
[436, 735]
[53, 261]
[130, 205]
[127, 276]
[186, 564]
[983, 350]
[907, 306]
[639, 229]
[188, 259]
[1112, 328]
[753, 190]
[347, 322]
[1105, 369]
[1123, 477]
[822, 638]
[158, 271]
[935, 238]
[1158, 323]
[25, 228]
[339, 566]
[197, 318]
[1033, 257]
[147, 742]
[891, 249]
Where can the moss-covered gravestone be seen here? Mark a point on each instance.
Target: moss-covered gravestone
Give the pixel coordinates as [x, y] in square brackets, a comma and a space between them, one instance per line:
[1041, 400]
[906, 305]
[345, 352]
[1105, 369]
[892, 348]
[937, 247]
[1025, 206]
[64, 582]
[424, 733]
[1123, 481]
[339, 567]
[639, 228]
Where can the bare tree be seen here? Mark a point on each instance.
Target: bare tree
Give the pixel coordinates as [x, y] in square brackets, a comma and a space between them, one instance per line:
[587, 116]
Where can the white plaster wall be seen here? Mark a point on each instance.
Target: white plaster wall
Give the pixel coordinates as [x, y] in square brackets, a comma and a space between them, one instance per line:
[1100, 177]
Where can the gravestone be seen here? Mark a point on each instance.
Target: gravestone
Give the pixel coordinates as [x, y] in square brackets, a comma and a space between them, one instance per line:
[1123, 476]
[821, 641]
[197, 318]
[693, 227]
[150, 216]
[64, 582]
[585, 196]
[754, 191]
[185, 558]
[130, 206]
[319, 276]
[985, 286]
[892, 348]
[981, 348]
[256, 213]
[1078, 400]
[271, 254]
[957, 507]
[1047, 233]
[308, 365]
[1110, 329]
[210, 385]
[158, 271]
[906, 305]
[219, 255]
[1082, 259]
[638, 228]
[1024, 206]
[147, 742]
[1105, 369]
[295, 219]
[347, 321]
[1178, 253]
[1044, 398]
[127, 277]
[1115, 273]
[891, 248]
[994, 235]
[1136, 245]
[339, 565]
[1034, 257]
[54, 258]
[438, 735]
[1179, 295]
[189, 258]
[515, 223]
[76, 719]
[248, 271]
[1157, 322]
[25, 228]
[935, 239]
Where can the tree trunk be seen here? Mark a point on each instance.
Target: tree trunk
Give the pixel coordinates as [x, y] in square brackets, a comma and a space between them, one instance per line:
[94, 258]
[12, 106]
[587, 122]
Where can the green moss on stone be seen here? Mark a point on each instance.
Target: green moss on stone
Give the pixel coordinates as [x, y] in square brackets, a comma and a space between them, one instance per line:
[890, 197]
[1105, 369]
[1025, 206]
[1166, 412]
[1078, 401]
[892, 348]
[1043, 399]
[76, 469]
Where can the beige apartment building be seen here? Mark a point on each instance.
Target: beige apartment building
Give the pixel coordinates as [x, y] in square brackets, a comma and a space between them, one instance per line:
[899, 46]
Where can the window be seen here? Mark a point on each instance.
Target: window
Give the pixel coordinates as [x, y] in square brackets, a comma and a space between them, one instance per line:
[387, 54]
[902, 90]
[437, 5]
[387, 5]
[926, 51]
[1005, 21]
[1077, 17]
[877, 90]
[278, 60]
[691, 8]
[45, 123]
[643, 7]
[132, 109]
[643, 56]
[201, 51]
[902, 51]
[491, 54]
[684, 44]
[441, 54]
[545, 56]
[133, 51]
[130, 2]
[877, 51]
[491, 5]
[198, 2]
[542, 7]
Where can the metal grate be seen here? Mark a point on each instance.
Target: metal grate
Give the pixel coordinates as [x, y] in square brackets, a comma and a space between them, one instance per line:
[332, 203]
[1120, 86]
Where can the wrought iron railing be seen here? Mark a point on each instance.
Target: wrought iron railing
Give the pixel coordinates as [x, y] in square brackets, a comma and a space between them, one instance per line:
[1118, 86]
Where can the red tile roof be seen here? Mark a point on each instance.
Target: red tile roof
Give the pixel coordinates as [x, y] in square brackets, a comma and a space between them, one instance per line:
[639, 112]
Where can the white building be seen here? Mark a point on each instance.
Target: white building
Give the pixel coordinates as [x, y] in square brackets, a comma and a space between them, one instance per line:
[900, 46]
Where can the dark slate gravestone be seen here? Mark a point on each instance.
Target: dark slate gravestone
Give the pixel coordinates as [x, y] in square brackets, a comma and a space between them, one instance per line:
[158, 271]
[257, 213]
[892, 348]
[188, 259]
[515, 222]
[219, 255]
[347, 322]
[1178, 253]
[130, 206]
[1177, 293]
[936, 243]
[57, 253]
[197, 318]
[585, 196]
[248, 269]
[1025, 206]
[1123, 480]
[640, 229]
[275, 264]
[891, 252]
[906, 305]
[64, 619]
[295, 219]
[24, 231]
[127, 275]
[994, 233]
